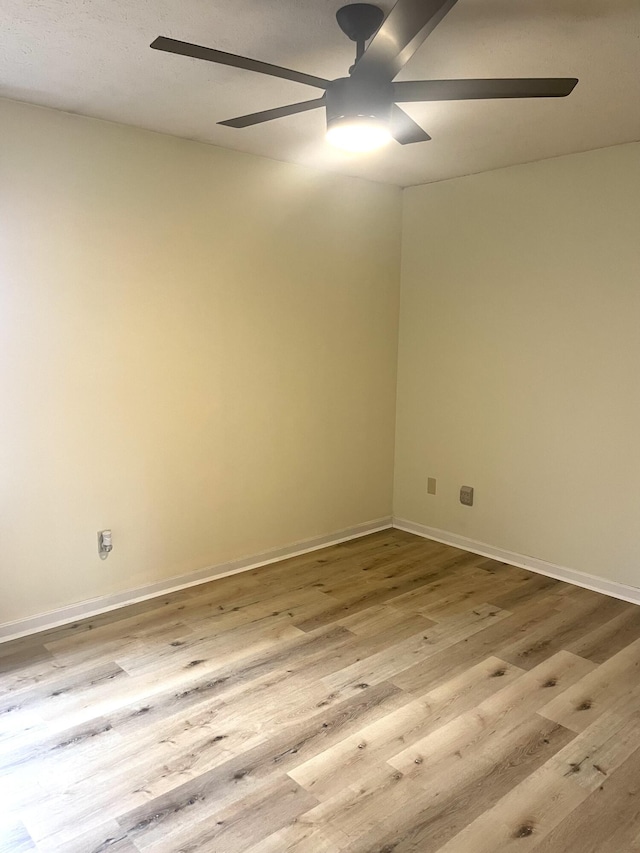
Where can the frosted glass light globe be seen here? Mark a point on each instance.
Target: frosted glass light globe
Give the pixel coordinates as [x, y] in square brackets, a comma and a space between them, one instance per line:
[358, 134]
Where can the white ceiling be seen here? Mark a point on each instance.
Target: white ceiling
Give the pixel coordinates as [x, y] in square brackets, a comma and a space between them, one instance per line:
[92, 57]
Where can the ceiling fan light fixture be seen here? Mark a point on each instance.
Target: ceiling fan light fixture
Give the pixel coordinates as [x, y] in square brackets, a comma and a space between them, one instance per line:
[358, 134]
[358, 114]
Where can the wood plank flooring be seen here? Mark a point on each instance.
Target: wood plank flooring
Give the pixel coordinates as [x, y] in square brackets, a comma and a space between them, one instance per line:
[385, 695]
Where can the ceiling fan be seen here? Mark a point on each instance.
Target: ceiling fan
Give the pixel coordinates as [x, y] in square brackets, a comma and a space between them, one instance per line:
[362, 109]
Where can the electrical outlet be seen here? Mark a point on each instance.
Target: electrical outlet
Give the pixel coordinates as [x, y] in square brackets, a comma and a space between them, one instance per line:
[466, 495]
[431, 485]
[105, 545]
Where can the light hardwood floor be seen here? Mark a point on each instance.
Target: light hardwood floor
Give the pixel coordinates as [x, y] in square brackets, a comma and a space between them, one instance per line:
[385, 695]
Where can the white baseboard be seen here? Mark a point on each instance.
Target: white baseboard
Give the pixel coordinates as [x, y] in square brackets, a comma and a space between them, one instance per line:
[84, 609]
[611, 588]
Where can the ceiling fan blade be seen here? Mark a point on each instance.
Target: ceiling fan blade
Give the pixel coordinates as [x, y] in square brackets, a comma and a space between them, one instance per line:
[404, 129]
[464, 90]
[198, 52]
[401, 33]
[277, 112]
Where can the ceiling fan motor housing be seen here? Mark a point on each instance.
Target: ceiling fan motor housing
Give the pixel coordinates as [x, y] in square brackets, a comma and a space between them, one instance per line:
[347, 99]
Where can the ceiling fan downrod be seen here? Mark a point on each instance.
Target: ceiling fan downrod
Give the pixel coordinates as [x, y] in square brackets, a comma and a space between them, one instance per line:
[359, 21]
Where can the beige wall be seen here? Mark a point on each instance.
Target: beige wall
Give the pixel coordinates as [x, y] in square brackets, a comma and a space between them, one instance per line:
[197, 349]
[519, 364]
